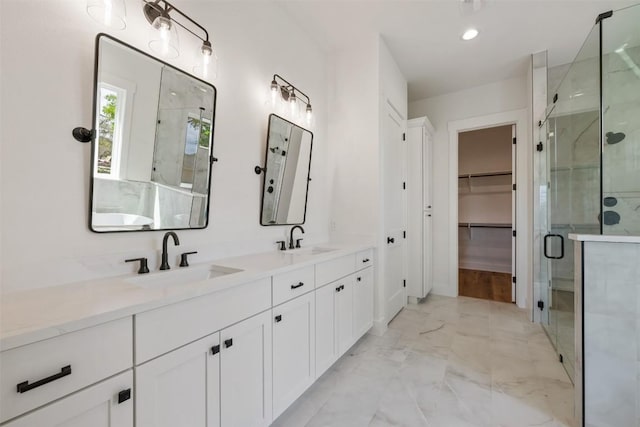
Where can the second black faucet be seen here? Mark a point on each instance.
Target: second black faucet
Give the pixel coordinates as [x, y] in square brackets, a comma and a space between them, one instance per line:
[297, 245]
[165, 255]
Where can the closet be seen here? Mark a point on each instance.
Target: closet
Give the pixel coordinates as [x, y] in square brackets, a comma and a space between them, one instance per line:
[486, 213]
[419, 208]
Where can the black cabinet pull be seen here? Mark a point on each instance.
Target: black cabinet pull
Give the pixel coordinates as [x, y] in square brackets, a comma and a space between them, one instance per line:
[215, 349]
[341, 287]
[278, 318]
[359, 279]
[390, 240]
[228, 343]
[23, 387]
[338, 289]
[299, 285]
[366, 260]
[124, 395]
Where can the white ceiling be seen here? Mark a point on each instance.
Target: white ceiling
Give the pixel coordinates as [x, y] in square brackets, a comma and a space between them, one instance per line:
[424, 35]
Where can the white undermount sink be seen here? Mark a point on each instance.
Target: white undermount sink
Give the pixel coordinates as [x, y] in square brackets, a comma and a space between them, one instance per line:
[315, 250]
[181, 276]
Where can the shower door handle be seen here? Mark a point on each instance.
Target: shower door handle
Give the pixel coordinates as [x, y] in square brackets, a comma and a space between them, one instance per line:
[546, 246]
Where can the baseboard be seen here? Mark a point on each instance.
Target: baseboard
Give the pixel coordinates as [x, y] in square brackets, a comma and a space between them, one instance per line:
[444, 290]
[379, 327]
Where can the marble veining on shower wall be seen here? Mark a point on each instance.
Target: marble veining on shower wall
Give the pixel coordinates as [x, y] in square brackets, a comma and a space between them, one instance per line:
[621, 145]
[612, 334]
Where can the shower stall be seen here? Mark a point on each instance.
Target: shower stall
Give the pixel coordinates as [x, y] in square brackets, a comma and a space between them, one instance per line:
[588, 164]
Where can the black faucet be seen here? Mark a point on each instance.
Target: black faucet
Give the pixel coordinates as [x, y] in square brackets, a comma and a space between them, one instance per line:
[165, 256]
[291, 245]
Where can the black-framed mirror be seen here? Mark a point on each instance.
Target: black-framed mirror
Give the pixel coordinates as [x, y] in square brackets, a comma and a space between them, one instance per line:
[286, 179]
[152, 149]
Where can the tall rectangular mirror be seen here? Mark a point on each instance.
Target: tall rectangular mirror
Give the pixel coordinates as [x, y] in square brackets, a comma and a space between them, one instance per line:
[286, 179]
[152, 152]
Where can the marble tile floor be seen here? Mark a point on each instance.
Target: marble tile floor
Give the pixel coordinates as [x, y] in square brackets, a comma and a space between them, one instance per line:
[446, 362]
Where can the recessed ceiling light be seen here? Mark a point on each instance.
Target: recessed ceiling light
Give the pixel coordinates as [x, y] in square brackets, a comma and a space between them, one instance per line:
[470, 34]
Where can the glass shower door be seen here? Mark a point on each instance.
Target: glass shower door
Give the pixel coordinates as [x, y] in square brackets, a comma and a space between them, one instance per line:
[573, 143]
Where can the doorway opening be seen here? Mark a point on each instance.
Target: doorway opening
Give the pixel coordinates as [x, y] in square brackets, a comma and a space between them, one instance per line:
[486, 213]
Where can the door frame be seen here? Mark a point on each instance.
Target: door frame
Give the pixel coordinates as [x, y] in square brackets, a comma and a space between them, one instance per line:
[523, 196]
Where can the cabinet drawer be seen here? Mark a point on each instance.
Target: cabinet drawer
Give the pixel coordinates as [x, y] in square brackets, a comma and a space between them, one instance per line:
[163, 329]
[364, 259]
[329, 271]
[106, 404]
[289, 285]
[50, 369]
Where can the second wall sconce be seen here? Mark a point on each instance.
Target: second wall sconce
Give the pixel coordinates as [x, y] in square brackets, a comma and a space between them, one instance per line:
[282, 89]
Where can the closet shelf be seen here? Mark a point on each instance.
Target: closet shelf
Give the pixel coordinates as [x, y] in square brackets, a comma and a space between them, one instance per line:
[483, 225]
[485, 174]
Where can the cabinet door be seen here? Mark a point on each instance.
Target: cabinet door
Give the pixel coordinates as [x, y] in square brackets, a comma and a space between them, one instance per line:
[427, 167]
[181, 388]
[96, 406]
[362, 303]
[245, 373]
[293, 350]
[344, 314]
[427, 251]
[326, 352]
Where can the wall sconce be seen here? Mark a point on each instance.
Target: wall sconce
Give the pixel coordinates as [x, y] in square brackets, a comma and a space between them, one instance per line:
[164, 33]
[111, 13]
[291, 95]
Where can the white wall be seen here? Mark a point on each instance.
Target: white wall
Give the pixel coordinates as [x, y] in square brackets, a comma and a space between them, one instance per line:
[363, 75]
[353, 140]
[47, 78]
[507, 95]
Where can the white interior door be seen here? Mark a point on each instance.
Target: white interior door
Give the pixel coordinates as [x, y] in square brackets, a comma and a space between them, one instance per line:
[394, 176]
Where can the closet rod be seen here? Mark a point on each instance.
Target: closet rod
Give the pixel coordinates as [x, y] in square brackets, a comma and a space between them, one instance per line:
[477, 225]
[479, 175]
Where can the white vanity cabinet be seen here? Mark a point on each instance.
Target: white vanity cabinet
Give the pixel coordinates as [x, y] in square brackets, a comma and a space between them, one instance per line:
[181, 388]
[245, 373]
[39, 373]
[362, 302]
[221, 379]
[237, 356]
[106, 404]
[326, 352]
[294, 353]
[344, 314]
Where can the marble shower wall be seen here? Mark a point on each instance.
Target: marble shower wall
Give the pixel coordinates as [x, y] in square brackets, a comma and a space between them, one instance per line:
[611, 334]
[621, 148]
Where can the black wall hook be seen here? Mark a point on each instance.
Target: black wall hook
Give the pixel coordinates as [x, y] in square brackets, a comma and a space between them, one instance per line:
[259, 170]
[83, 134]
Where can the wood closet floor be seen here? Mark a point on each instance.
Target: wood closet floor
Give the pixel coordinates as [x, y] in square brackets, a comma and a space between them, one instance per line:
[484, 284]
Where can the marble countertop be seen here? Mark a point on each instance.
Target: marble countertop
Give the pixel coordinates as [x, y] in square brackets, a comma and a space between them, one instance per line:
[37, 314]
[604, 238]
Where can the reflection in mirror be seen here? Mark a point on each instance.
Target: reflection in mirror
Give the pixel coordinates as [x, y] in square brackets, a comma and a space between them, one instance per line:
[286, 179]
[152, 151]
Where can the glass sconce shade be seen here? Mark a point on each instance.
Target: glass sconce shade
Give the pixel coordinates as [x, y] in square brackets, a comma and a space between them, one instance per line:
[208, 68]
[164, 37]
[110, 13]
